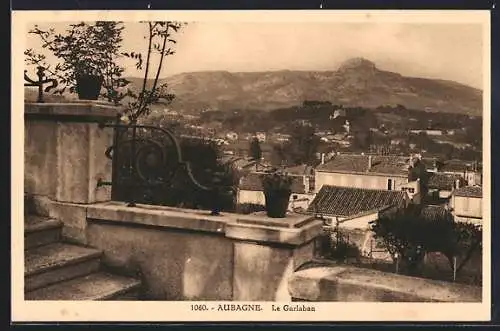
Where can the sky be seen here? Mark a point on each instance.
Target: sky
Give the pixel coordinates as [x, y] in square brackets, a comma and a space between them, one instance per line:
[451, 51]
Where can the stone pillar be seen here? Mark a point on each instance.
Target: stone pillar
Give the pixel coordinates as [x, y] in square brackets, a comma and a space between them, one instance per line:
[64, 158]
[64, 150]
[267, 251]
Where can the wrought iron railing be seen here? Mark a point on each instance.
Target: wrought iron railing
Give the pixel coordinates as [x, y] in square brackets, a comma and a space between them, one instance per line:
[149, 167]
[42, 80]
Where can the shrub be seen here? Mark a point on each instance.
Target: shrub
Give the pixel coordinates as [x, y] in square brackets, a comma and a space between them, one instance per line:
[344, 250]
[276, 181]
[335, 245]
[205, 168]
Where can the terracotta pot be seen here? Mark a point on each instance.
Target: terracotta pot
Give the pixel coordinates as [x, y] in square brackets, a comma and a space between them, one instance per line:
[277, 202]
[88, 87]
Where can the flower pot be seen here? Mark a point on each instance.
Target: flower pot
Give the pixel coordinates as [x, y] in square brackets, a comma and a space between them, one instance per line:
[277, 202]
[88, 87]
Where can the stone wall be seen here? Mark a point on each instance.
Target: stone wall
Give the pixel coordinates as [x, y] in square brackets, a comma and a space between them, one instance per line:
[185, 254]
[351, 284]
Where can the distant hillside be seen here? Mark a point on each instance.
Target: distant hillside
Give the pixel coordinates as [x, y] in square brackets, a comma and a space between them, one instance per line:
[357, 82]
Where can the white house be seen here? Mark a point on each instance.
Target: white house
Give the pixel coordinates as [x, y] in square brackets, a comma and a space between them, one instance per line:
[251, 191]
[467, 204]
[363, 171]
[353, 209]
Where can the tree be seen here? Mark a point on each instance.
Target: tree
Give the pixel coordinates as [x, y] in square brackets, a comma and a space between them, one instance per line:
[403, 234]
[301, 148]
[410, 233]
[160, 42]
[255, 150]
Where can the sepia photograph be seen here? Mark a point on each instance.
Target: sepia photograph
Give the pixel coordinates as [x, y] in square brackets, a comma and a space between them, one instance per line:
[245, 166]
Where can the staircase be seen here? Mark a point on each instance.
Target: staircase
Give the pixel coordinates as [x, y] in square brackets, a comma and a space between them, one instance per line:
[55, 270]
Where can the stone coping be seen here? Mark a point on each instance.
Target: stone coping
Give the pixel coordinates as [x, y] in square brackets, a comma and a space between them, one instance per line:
[292, 220]
[275, 234]
[349, 284]
[200, 220]
[78, 110]
[157, 216]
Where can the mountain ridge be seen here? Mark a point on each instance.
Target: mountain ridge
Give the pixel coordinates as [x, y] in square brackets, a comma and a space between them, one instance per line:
[356, 82]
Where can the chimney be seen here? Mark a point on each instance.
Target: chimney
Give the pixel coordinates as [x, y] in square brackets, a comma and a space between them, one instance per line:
[307, 187]
[411, 161]
[369, 162]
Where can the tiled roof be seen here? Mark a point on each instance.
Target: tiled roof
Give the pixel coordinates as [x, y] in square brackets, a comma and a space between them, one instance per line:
[346, 201]
[253, 182]
[442, 181]
[347, 163]
[456, 166]
[469, 191]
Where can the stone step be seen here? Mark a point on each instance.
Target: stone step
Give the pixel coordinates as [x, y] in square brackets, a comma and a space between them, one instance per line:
[96, 286]
[54, 263]
[39, 231]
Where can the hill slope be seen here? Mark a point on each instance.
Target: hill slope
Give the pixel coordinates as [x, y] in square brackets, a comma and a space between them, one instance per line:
[357, 82]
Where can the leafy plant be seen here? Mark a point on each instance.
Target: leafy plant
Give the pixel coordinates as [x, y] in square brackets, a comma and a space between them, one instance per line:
[95, 48]
[160, 39]
[276, 181]
[83, 49]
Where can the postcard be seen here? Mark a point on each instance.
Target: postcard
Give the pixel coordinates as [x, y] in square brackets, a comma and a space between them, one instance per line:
[314, 165]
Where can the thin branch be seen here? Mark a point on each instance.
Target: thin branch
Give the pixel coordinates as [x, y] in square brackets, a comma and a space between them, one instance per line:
[165, 37]
[141, 96]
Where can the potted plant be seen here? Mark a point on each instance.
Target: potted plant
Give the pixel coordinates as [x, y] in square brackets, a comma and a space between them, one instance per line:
[87, 54]
[277, 190]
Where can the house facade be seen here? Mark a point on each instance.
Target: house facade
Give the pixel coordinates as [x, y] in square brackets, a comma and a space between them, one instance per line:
[363, 171]
[354, 209]
[251, 191]
[467, 204]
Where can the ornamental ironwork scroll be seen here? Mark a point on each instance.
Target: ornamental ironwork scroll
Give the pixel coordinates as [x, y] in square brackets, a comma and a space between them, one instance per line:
[148, 160]
[41, 81]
